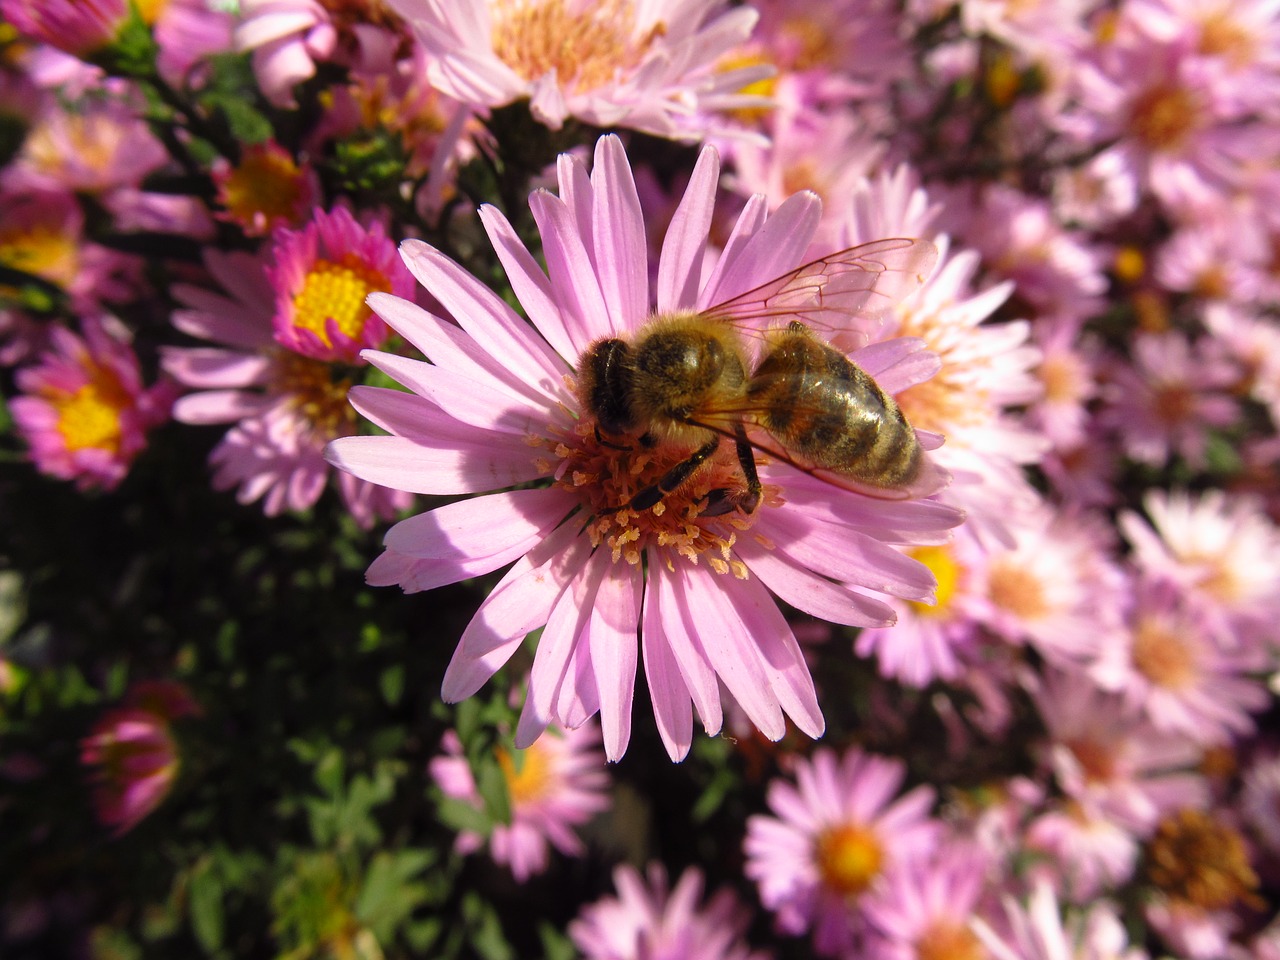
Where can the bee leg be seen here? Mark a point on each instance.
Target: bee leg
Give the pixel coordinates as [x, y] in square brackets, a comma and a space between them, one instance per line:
[647, 440]
[722, 501]
[673, 478]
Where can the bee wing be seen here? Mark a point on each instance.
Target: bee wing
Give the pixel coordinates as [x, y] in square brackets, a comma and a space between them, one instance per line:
[724, 419]
[866, 280]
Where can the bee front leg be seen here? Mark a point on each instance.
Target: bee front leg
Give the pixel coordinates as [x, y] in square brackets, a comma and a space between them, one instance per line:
[673, 478]
[722, 501]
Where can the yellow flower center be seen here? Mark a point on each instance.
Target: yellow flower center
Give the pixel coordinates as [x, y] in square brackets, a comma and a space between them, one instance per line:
[266, 184]
[337, 291]
[1063, 378]
[1221, 36]
[942, 564]
[1164, 117]
[90, 417]
[318, 391]
[849, 858]
[150, 10]
[949, 941]
[1162, 655]
[763, 87]
[1097, 760]
[41, 251]
[608, 475]
[587, 44]
[528, 774]
[1129, 264]
[1199, 859]
[1014, 588]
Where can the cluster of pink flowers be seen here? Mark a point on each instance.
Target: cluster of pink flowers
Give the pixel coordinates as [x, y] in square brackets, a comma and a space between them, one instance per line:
[1066, 281]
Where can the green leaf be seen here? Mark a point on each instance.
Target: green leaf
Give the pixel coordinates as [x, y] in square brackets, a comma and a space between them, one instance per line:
[555, 945]
[486, 935]
[388, 896]
[205, 900]
[392, 684]
[460, 815]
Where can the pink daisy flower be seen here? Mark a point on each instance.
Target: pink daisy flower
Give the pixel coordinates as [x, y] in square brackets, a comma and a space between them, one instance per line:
[285, 406]
[266, 189]
[1173, 669]
[132, 754]
[322, 275]
[497, 410]
[614, 63]
[85, 411]
[79, 27]
[1108, 759]
[555, 785]
[1038, 930]
[1166, 401]
[1080, 849]
[648, 920]
[1219, 550]
[835, 838]
[926, 907]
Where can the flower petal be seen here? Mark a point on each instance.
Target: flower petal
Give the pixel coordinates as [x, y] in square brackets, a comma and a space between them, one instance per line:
[612, 639]
[454, 465]
[677, 629]
[807, 591]
[685, 243]
[672, 707]
[573, 275]
[621, 251]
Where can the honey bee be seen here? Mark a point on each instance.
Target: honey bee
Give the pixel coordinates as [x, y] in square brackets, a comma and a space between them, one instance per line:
[688, 378]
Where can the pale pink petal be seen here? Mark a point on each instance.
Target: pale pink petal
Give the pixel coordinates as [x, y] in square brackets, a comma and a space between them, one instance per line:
[612, 640]
[621, 252]
[455, 465]
[569, 266]
[479, 528]
[565, 626]
[520, 603]
[219, 406]
[778, 246]
[679, 630]
[685, 243]
[815, 595]
[201, 367]
[672, 707]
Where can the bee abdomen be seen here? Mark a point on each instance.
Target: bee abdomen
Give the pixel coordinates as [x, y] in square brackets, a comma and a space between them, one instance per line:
[830, 412]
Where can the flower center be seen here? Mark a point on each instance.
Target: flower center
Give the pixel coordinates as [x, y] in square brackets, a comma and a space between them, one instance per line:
[267, 185]
[1162, 655]
[812, 41]
[849, 858]
[1096, 760]
[947, 940]
[1164, 117]
[942, 563]
[150, 10]
[608, 475]
[532, 780]
[1221, 36]
[1063, 377]
[1174, 403]
[1200, 860]
[585, 43]
[41, 251]
[1017, 590]
[90, 417]
[337, 291]
[318, 391]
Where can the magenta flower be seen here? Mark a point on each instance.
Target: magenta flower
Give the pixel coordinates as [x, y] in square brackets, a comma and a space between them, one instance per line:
[133, 755]
[284, 407]
[835, 839]
[322, 276]
[80, 27]
[497, 410]
[649, 920]
[555, 785]
[85, 411]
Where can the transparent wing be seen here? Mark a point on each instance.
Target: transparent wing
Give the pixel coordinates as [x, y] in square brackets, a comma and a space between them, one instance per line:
[865, 281]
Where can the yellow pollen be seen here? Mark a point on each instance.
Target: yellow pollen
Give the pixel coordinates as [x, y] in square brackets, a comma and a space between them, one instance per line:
[337, 291]
[849, 858]
[609, 474]
[942, 564]
[1162, 118]
[1129, 264]
[1199, 859]
[1002, 82]
[90, 417]
[266, 185]
[41, 251]
[1017, 590]
[587, 44]
[318, 391]
[1162, 656]
[532, 780]
[949, 941]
